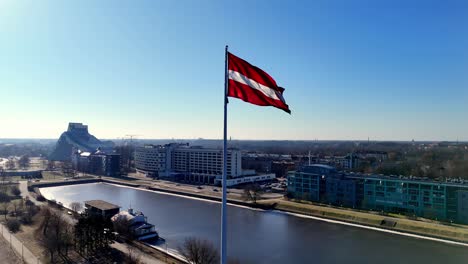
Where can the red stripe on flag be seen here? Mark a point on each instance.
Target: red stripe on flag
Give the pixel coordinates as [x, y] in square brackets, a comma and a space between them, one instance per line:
[243, 67]
[241, 88]
[253, 96]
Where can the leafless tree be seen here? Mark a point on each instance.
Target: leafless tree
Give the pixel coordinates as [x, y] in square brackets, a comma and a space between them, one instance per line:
[4, 209]
[3, 177]
[132, 256]
[50, 165]
[122, 226]
[57, 234]
[67, 169]
[10, 164]
[198, 251]
[24, 162]
[252, 192]
[76, 207]
[17, 207]
[46, 215]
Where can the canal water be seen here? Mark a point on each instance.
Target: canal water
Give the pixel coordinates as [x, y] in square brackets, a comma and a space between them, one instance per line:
[261, 236]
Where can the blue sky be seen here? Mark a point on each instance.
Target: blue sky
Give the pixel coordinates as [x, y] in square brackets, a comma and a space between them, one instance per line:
[388, 70]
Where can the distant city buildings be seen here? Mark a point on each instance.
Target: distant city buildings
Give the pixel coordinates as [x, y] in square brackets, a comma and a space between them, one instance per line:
[193, 164]
[447, 201]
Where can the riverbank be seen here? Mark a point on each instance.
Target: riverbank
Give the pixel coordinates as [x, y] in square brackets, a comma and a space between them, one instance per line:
[455, 233]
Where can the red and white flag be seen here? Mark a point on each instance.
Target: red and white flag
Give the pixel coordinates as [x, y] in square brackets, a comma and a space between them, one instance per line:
[251, 84]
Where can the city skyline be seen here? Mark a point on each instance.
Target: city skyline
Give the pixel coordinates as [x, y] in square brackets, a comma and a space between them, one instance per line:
[387, 71]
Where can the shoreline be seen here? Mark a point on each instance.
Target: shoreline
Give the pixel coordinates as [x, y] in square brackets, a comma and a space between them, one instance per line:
[204, 198]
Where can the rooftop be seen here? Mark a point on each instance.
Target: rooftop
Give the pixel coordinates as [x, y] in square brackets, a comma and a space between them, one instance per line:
[102, 205]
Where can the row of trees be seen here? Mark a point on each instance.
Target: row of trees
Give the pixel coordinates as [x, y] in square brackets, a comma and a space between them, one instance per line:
[432, 163]
[90, 236]
[23, 162]
[20, 211]
[30, 149]
[56, 234]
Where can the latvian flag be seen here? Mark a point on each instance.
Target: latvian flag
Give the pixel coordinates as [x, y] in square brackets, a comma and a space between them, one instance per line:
[253, 85]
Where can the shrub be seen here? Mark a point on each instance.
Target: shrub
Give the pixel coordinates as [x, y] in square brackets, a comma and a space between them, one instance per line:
[26, 219]
[13, 225]
[4, 198]
[15, 191]
[28, 203]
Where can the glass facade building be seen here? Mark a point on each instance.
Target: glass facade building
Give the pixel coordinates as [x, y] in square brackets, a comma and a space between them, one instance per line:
[445, 201]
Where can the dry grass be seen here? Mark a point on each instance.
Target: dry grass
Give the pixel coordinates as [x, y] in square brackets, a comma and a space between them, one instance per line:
[426, 228]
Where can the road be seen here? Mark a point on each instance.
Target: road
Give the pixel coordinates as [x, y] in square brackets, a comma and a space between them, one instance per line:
[23, 186]
[144, 258]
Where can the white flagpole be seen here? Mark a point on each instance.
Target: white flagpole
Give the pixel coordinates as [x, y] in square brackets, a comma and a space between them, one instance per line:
[223, 206]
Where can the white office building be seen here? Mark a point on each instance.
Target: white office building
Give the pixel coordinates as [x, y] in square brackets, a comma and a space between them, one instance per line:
[154, 160]
[191, 164]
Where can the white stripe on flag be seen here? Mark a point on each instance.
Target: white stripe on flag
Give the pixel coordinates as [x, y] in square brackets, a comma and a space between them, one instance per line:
[238, 77]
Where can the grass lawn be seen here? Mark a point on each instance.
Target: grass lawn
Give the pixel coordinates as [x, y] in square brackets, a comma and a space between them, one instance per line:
[426, 227]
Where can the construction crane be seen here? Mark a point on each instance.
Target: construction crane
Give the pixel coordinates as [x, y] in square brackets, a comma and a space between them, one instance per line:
[131, 136]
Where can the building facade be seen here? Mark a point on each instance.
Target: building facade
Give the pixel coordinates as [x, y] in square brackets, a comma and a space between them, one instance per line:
[99, 163]
[446, 201]
[192, 164]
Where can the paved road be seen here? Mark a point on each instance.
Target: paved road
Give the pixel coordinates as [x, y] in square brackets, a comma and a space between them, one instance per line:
[145, 258]
[23, 186]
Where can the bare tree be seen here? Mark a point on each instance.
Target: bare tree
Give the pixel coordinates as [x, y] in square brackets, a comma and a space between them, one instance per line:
[58, 235]
[122, 226]
[46, 215]
[3, 177]
[17, 207]
[50, 165]
[76, 207]
[199, 251]
[67, 169]
[4, 209]
[10, 164]
[15, 190]
[2, 174]
[132, 256]
[24, 162]
[252, 192]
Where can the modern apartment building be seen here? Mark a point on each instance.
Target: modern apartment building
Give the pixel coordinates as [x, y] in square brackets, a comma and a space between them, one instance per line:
[154, 160]
[193, 164]
[447, 201]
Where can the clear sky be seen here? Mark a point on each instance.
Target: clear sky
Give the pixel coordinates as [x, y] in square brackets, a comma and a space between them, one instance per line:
[388, 70]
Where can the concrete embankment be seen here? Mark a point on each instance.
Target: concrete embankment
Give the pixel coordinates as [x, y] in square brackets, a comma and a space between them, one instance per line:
[75, 182]
[455, 233]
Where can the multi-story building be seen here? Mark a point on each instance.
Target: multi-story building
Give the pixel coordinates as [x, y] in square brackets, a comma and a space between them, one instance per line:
[98, 162]
[155, 160]
[192, 164]
[309, 182]
[447, 201]
[205, 165]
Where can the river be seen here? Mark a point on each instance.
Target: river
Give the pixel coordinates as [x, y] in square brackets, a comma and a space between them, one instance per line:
[262, 236]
